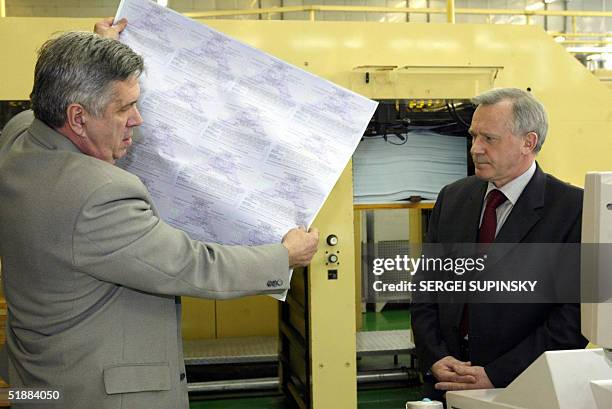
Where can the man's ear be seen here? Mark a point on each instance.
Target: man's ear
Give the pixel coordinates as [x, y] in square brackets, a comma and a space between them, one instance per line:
[76, 119]
[530, 142]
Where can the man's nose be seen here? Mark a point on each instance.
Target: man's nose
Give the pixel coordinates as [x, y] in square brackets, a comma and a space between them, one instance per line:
[476, 147]
[136, 118]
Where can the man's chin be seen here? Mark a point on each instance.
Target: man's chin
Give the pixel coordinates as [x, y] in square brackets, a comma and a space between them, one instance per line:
[482, 174]
[120, 154]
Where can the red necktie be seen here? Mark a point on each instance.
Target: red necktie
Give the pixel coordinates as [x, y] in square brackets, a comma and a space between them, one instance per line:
[486, 234]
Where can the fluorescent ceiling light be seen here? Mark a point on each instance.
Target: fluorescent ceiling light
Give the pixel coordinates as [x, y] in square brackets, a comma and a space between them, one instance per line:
[589, 49]
[595, 57]
[535, 6]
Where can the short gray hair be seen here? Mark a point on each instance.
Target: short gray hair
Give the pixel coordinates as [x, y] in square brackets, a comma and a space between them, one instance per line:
[79, 68]
[528, 113]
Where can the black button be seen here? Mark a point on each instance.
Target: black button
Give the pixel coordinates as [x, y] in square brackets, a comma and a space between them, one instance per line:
[274, 283]
[182, 377]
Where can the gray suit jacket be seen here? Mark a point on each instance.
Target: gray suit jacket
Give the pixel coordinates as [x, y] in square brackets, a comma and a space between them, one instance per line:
[91, 274]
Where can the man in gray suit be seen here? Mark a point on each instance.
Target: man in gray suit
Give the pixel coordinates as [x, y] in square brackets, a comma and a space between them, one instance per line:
[91, 273]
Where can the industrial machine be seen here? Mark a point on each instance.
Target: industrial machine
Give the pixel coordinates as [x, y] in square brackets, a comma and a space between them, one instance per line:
[389, 61]
[576, 379]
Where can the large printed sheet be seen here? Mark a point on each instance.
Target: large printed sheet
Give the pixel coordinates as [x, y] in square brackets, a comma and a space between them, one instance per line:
[237, 146]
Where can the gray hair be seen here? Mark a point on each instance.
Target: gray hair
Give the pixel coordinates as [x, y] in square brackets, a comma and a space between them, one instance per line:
[528, 113]
[79, 67]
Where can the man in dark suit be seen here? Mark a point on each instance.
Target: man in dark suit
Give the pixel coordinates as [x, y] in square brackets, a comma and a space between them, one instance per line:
[509, 200]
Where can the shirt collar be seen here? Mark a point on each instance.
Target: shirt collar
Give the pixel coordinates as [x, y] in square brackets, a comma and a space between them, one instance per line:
[515, 187]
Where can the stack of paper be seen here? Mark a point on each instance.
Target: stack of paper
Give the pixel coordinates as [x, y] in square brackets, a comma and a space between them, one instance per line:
[384, 172]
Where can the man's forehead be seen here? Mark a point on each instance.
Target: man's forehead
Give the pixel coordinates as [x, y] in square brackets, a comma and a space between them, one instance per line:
[497, 111]
[125, 92]
[487, 118]
[501, 108]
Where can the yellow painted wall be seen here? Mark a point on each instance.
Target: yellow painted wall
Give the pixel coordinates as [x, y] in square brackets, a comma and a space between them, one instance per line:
[19, 40]
[199, 318]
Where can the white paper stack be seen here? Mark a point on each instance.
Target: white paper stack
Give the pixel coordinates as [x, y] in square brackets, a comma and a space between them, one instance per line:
[384, 172]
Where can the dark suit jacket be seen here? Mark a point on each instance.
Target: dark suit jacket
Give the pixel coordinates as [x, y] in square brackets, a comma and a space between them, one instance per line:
[503, 338]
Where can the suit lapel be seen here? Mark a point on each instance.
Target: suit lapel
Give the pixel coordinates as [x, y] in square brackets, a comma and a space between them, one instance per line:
[526, 212]
[471, 214]
[467, 221]
[524, 215]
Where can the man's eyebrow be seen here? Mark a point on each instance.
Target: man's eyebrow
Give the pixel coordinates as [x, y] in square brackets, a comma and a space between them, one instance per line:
[129, 104]
[490, 135]
[486, 134]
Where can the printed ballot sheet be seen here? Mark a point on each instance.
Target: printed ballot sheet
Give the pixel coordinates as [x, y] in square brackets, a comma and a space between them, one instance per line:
[237, 146]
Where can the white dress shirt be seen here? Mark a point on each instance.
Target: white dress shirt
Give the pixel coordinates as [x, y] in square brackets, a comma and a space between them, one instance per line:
[512, 190]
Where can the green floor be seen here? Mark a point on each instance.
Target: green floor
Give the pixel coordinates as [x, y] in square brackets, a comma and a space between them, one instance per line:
[391, 318]
[247, 403]
[370, 399]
